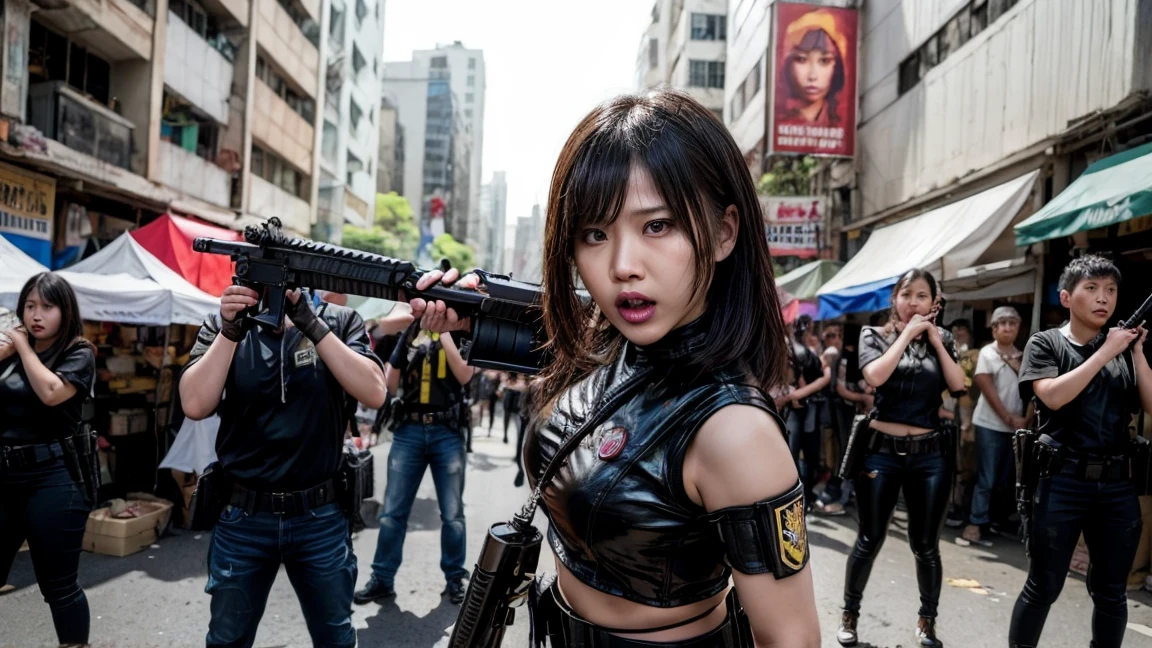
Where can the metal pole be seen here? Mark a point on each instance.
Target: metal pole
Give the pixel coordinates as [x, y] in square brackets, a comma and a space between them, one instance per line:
[161, 438]
[1037, 293]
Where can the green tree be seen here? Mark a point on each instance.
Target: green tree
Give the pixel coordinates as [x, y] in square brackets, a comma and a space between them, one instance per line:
[462, 257]
[393, 233]
[790, 176]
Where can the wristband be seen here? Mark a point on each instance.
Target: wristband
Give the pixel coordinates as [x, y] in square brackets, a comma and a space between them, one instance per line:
[304, 318]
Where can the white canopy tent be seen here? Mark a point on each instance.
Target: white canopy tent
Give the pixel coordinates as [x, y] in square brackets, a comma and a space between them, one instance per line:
[124, 256]
[112, 297]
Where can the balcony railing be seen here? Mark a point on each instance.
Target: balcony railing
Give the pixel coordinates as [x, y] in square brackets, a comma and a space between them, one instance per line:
[193, 175]
[68, 117]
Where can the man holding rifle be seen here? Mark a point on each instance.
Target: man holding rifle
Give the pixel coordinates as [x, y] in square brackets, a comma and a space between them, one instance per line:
[1087, 383]
[284, 396]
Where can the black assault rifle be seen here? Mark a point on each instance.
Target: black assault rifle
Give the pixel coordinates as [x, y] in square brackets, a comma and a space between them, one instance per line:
[505, 314]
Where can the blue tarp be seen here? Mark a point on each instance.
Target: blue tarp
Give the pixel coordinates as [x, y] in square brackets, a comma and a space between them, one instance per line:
[864, 298]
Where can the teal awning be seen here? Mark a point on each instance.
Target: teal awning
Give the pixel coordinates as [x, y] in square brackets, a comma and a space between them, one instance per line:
[1113, 190]
[803, 282]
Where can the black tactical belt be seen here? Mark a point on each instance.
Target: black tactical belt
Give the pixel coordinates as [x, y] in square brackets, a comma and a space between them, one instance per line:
[1092, 468]
[15, 457]
[432, 418]
[916, 444]
[286, 504]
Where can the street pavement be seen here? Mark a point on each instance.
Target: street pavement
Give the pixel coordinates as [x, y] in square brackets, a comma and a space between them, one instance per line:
[156, 597]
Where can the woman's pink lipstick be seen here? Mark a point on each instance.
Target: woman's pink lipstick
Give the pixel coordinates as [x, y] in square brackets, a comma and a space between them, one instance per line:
[634, 307]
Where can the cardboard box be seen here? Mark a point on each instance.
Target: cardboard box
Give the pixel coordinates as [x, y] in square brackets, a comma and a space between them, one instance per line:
[111, 536]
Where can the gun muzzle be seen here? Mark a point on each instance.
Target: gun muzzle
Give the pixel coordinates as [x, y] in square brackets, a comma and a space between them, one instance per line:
[499, 584]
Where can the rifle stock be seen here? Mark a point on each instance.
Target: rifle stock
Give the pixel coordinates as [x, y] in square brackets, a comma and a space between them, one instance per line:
[505, 314]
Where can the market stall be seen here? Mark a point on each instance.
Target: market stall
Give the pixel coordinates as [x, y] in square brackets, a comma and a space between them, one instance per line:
[169, 239]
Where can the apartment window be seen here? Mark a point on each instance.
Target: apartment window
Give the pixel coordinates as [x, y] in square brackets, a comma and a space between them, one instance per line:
[468, 113]
[438, 62]
[184, 126]
[706, 74]
[472, 64]
[736, 106]
[275, 170]
[752, 82]
[468, 97]
[653, 53]
[709, 27]
[335, 24]
[355, 113]
[361, 10]
[471, 81]
[969, 21]
[301, 105]
[299, 16]
[358, 60]
[656, 12]
[52, 57]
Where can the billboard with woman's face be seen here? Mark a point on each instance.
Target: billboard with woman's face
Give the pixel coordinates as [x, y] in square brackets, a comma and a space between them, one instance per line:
[814, 111]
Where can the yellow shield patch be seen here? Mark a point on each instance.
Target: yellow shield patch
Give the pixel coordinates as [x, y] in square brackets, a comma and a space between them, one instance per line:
[792, 534]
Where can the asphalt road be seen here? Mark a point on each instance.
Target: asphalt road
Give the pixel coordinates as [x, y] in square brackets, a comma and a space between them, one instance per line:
[156, 597]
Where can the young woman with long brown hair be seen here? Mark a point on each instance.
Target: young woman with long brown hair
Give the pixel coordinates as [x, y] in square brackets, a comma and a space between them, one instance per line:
[653, 210]
[910, 362]
[47, 370]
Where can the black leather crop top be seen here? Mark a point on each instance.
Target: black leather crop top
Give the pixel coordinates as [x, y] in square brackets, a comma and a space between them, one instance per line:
[914, 392]
[621, 520]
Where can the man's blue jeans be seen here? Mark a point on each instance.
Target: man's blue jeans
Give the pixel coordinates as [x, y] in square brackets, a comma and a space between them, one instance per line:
[415, 447]
[994, 464]
[245, 554]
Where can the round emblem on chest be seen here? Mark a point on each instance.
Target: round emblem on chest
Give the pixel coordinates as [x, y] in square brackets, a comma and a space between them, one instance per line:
[612, 443]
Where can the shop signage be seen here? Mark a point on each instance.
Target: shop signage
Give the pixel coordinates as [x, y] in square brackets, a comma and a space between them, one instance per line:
[27, 206]
[793, 224]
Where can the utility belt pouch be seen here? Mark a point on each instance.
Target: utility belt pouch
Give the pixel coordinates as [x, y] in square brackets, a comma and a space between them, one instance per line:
[1141, 461]
[544, 616]
[213, 491]
[860, 444]
[355, 484]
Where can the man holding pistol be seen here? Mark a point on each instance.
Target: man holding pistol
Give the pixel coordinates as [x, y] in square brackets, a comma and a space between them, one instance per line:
[284, 397]
[1087, 385]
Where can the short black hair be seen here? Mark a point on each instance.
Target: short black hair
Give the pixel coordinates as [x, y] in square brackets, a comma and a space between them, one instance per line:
[1089, 266]
[960, 322]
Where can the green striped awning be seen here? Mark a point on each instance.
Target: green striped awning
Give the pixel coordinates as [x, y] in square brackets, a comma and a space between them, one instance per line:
[1113, 190]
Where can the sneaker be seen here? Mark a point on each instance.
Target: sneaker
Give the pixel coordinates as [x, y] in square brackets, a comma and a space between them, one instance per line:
[846, 634]
[831, 508]
[455, 590]
[374, 591]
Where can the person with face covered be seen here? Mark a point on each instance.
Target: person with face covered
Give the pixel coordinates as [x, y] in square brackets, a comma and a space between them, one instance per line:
[814, 69]
[910, 362]
[652, 208]
[47, 371]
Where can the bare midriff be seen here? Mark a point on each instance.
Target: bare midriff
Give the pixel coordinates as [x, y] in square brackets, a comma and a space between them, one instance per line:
[610, 611]
[897, 429]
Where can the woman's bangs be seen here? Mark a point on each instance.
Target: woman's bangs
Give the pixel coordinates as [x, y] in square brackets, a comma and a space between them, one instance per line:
[598, 184]
[817, 39]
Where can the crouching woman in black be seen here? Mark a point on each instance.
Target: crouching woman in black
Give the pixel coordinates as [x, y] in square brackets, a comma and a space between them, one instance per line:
[47, 370]
[686, 469]
[910, 362]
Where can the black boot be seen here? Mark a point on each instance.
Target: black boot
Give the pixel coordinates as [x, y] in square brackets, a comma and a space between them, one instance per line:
[455, 591]
[373, 591]
[926, 633]
[846, 635]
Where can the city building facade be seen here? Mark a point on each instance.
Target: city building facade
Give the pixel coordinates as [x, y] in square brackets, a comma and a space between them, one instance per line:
[685, 47]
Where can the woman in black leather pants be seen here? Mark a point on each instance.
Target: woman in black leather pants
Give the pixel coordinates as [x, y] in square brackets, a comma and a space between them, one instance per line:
[910, 362]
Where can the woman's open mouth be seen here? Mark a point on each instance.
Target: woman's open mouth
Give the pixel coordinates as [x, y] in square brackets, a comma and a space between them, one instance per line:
[635, 308]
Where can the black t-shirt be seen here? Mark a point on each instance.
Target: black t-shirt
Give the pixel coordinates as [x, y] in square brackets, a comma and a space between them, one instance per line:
[912, 395]
[427, 383]
[1096, 421]
[282, 424]
[24, 418]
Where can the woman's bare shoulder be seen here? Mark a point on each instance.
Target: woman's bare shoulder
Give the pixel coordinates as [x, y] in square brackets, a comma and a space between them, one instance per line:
[739, 456]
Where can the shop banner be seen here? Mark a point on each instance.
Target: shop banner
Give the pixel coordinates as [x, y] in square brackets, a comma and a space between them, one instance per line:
[14, 79]
[793, 224]
[814, 86]
[27, 206]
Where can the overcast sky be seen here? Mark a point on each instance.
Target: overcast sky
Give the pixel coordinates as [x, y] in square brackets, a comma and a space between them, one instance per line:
[548, 63]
